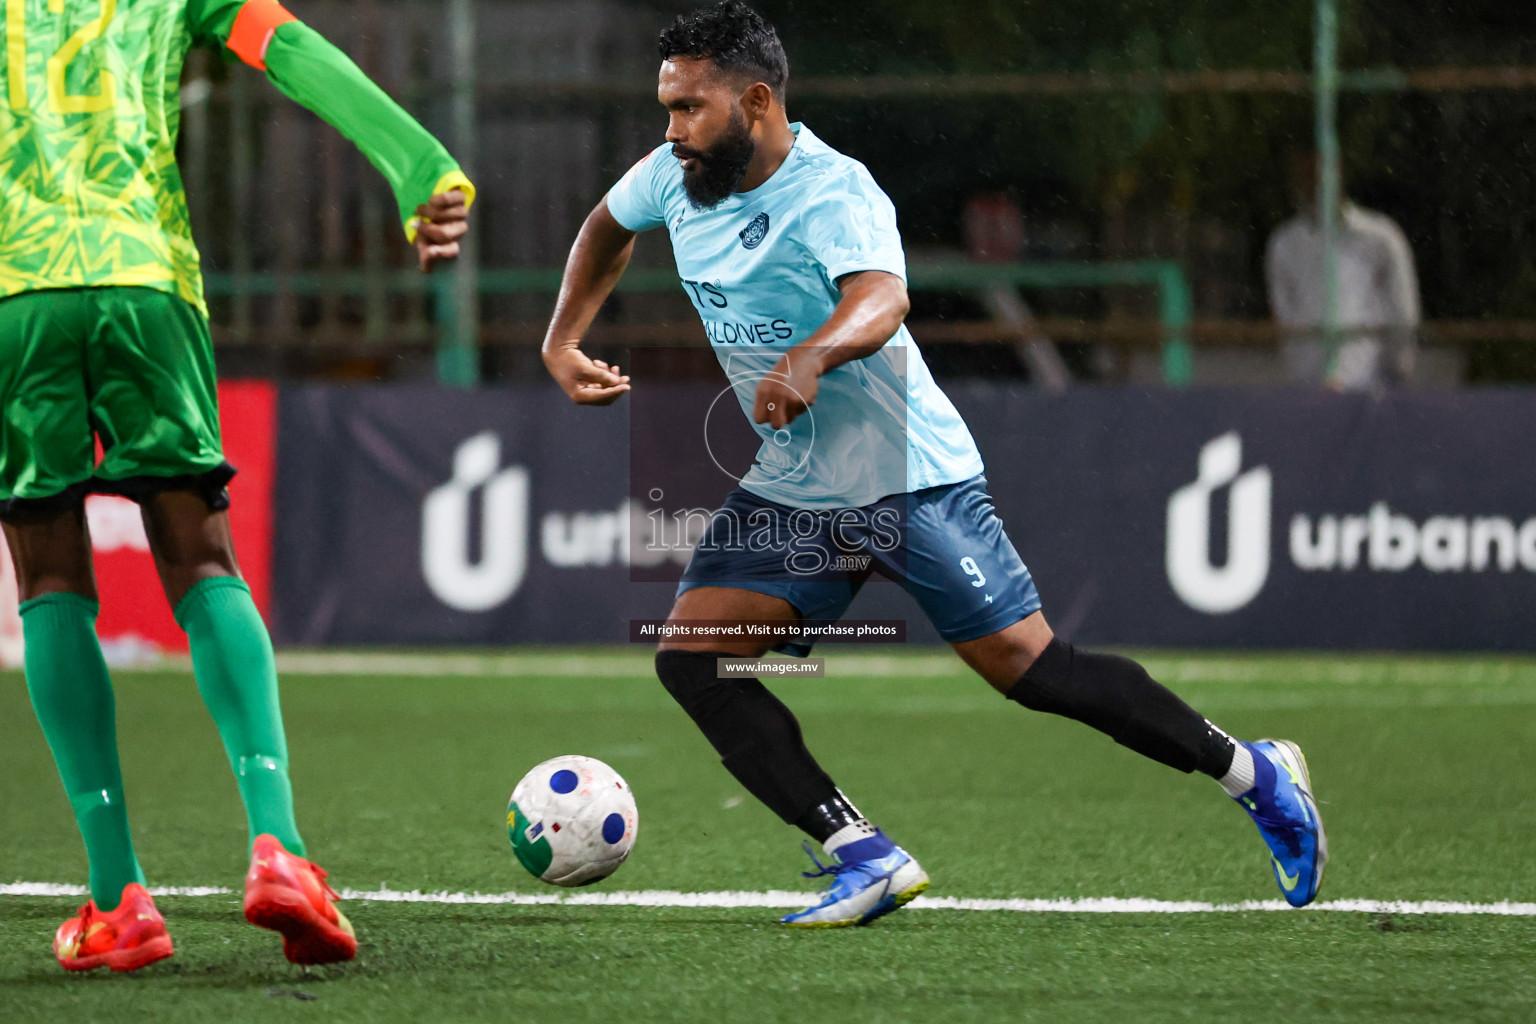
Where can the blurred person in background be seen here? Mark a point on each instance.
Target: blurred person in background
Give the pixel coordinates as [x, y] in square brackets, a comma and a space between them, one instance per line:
[994, 231]
[1378, 292]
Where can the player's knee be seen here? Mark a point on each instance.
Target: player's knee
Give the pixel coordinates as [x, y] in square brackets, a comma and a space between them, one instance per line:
[1097, 688]
[728, 710]
[1048, 684]
[50, 549]
[58, 570]
[185, 534]
[691, 678]
[30, 587]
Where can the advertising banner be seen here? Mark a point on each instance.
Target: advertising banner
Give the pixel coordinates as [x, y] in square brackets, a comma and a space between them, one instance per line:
[135, 623]
[1273, 518]
[410, 515]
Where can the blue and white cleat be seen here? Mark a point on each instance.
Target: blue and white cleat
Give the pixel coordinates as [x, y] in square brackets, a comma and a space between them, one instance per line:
[862, 890]
[1281, 804]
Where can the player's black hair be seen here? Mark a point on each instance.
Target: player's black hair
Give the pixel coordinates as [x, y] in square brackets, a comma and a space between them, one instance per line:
[735, 37]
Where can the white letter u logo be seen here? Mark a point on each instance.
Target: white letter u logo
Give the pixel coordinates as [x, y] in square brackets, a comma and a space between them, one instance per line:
[458, 583]
[1201, 585]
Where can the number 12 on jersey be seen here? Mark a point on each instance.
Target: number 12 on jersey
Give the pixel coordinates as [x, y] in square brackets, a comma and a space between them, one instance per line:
[60, 100]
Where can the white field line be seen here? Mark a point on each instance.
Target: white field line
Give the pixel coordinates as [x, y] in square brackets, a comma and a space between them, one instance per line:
[780, 899]
[1242, 684]
[621, 664]
[1445, 672]
[636, 664]
[1345, 670]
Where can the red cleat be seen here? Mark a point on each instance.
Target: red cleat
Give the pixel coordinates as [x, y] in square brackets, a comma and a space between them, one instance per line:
[288, 894]
[130, 937]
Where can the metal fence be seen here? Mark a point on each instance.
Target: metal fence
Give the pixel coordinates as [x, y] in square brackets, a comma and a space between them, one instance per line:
[547, 102]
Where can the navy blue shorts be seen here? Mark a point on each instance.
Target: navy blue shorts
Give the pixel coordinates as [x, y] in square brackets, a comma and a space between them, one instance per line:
[944, 545]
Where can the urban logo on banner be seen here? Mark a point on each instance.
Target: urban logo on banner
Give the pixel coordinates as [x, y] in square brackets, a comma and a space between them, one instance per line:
[1203, 586]
[476, 531]
[1377, 540]
[460, 581]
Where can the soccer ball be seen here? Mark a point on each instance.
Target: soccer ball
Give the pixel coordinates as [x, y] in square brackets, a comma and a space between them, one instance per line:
[572, 820]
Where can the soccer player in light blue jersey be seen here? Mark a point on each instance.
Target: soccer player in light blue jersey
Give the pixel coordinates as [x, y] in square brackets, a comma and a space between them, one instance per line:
[790, 253]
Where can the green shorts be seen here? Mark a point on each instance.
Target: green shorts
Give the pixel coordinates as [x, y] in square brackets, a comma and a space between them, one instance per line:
[132, 367]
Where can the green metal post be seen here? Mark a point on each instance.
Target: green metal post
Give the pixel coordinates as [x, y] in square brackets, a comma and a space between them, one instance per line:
[1329, 185]
[458, 295]
[1176, 308]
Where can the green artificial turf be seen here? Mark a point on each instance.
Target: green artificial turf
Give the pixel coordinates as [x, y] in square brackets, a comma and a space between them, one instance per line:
[1422, 766]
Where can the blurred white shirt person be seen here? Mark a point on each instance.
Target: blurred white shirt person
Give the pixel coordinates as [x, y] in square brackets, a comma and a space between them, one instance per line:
[1378, 293]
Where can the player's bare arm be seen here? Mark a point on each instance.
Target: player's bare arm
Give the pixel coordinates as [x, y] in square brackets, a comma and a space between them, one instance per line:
[873, 306]
[596, 263]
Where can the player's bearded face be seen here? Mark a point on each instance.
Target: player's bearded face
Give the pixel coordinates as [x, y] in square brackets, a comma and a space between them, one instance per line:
[721, 167]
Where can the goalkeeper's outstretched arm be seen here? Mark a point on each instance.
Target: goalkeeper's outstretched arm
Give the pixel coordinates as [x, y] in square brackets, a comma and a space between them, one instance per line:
[432, 192]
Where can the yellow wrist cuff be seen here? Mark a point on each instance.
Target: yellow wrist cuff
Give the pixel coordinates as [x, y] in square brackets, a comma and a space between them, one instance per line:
[454, 179]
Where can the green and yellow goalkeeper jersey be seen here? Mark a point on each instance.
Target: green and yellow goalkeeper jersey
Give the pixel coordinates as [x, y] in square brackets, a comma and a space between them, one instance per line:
[90, 194]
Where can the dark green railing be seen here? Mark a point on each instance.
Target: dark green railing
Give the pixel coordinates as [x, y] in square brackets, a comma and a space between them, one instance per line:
[456, 341]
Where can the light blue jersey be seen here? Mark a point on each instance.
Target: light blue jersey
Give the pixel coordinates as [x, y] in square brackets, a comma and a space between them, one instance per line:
[761, 268]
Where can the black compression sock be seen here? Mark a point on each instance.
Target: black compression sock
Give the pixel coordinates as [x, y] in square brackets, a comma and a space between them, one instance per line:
[757, 738]
[1117, 697]
[825, 820]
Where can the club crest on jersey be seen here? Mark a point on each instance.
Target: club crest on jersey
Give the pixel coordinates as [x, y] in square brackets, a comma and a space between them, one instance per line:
[753, 234]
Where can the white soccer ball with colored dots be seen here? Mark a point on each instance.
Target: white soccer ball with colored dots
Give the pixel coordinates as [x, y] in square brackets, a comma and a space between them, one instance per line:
[572, 820]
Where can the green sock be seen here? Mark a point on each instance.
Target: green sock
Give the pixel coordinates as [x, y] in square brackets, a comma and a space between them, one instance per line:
[236, 674]
[72, 695]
